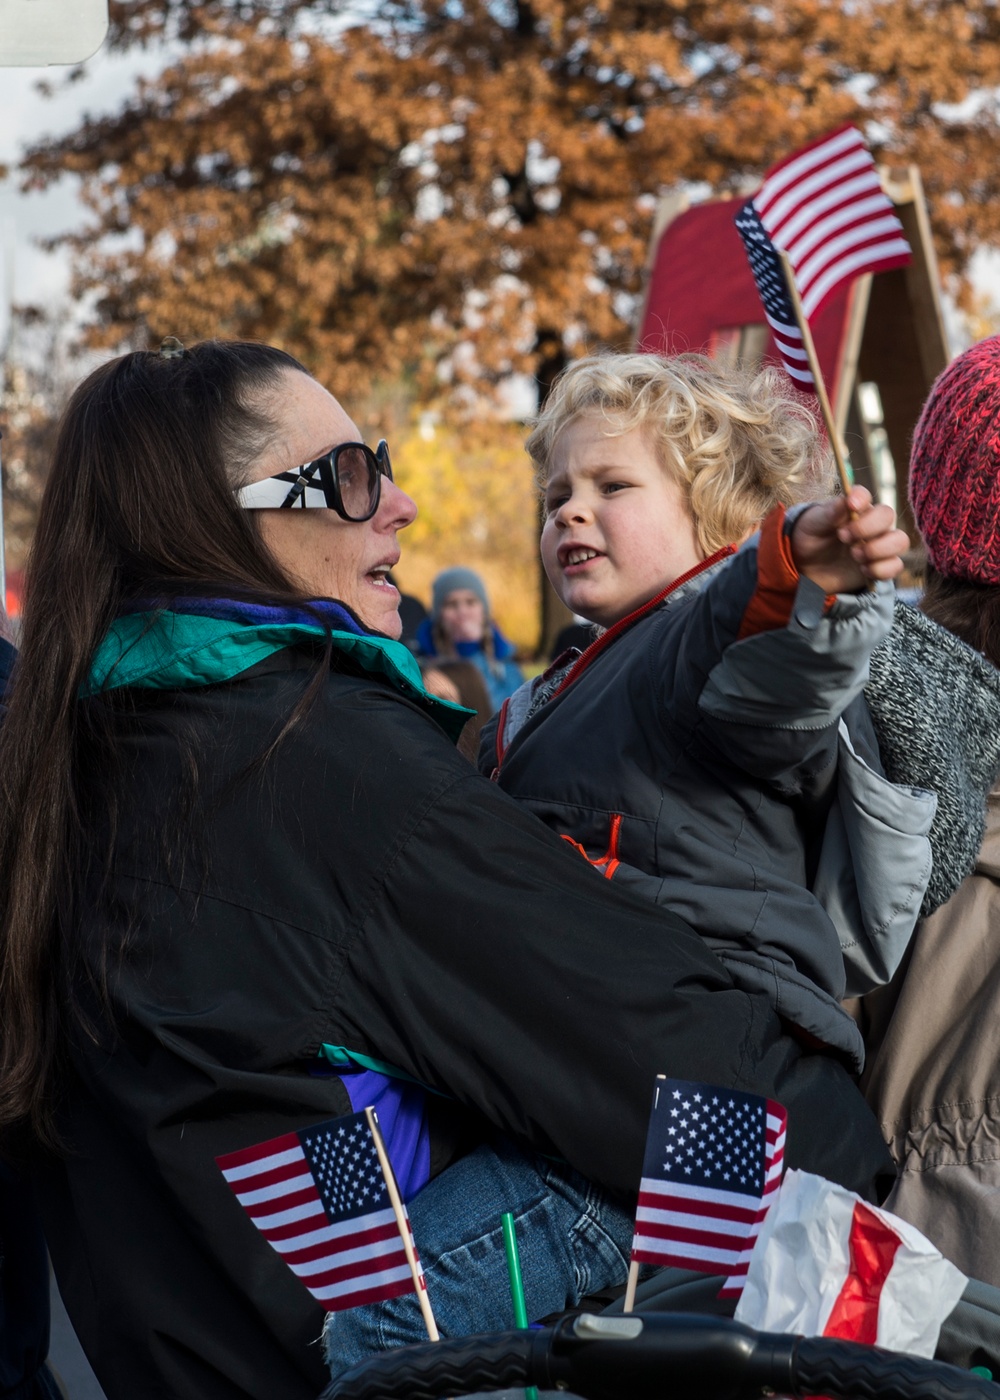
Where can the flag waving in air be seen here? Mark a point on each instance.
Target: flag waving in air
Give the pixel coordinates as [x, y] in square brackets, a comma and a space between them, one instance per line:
[772, 289]
[823, 207]
[713, 1164]
[318, 1196]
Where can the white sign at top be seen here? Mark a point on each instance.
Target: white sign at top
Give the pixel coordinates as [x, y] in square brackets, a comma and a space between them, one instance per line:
[35, 32]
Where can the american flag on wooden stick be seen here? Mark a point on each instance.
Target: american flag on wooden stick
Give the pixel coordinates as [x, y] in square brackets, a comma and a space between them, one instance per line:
[714, 1160]
[319, 1198]
[825, 208]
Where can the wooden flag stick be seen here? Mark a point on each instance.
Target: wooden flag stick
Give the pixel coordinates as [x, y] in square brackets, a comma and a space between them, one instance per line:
[403, 1225]
[630, 1287]
[817, 374]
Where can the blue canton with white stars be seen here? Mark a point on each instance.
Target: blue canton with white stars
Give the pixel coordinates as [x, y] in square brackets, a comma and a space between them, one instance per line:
[765, 266]
[344, 1164]
[705, 1136]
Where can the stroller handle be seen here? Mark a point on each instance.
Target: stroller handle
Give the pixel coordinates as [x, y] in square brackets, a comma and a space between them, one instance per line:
[644, 1356]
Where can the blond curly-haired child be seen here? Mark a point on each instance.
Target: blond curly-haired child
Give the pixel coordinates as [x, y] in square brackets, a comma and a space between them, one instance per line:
[711, 749]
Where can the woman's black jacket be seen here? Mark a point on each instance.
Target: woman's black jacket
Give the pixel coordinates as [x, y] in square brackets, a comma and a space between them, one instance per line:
[364, 887]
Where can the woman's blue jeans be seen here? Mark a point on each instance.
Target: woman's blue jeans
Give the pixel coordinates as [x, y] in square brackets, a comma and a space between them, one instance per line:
[572, 1239]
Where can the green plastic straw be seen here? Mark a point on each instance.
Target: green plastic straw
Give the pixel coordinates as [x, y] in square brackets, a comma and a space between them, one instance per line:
[516, 1283]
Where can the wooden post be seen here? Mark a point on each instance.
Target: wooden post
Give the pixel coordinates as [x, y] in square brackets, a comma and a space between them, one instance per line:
[403, 1225]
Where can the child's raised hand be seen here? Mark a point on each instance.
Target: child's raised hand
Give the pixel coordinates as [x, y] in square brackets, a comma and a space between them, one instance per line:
[844, 543]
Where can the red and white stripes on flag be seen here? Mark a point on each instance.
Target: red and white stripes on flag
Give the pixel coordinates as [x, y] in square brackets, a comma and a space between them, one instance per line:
[824, 207]
[775, 299]
[774, 1167]
[713, 1163]
[319, 1198]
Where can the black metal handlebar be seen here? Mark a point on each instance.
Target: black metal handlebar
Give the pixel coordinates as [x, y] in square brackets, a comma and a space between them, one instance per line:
[644, 1356]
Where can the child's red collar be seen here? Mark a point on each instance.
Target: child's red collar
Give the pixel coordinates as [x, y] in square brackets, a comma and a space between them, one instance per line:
[605, 640]
[624, 623]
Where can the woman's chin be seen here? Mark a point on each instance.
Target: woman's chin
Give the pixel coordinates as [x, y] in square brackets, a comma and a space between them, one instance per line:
[385, 619]
[376, 605]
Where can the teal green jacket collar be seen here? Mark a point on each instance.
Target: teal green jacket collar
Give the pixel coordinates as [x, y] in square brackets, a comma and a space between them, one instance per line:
[166, 650]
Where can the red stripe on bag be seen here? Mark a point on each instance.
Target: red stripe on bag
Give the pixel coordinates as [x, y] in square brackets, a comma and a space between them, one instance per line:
[873, 1247]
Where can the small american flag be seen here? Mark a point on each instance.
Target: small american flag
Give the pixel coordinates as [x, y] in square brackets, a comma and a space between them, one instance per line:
[319, 1198]
[773, 291]
[714, 1159]
[825, 208]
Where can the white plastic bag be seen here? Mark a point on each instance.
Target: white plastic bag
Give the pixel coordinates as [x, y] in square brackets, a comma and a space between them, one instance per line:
[828, 1264]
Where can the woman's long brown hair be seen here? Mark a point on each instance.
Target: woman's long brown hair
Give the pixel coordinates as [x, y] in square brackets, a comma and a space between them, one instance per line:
[970, 610]
[139, 506]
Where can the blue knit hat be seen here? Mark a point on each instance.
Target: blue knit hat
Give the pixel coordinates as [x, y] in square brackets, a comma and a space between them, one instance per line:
[454, 581]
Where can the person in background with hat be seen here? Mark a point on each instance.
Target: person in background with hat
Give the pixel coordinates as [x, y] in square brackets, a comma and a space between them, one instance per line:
[460, 626]
[933, 1071]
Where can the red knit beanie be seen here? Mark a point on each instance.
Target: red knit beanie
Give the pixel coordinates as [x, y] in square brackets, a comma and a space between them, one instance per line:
[955, 467]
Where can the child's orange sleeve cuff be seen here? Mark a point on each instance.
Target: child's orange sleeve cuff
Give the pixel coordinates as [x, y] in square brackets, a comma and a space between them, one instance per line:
[777, 580]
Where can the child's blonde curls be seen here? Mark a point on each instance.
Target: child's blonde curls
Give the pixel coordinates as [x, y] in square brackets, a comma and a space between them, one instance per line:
[739, 441]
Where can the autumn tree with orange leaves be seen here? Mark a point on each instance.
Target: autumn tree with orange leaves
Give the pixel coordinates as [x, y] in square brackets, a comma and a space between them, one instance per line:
[446, 191]
[420, 198]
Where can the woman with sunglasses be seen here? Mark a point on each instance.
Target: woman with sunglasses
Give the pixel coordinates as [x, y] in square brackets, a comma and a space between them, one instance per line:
[248, 886]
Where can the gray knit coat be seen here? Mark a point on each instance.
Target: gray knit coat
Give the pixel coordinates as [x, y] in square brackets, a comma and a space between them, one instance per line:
[935, 706]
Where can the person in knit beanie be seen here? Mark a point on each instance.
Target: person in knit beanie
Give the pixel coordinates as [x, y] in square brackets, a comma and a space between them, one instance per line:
[955, 468]
[457, 580]
[460, 626]
[933, 1073]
